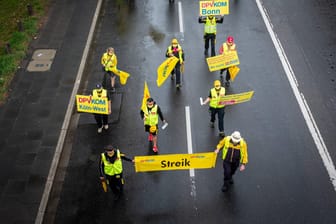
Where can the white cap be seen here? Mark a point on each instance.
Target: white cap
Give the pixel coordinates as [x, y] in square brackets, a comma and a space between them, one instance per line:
[235, 137]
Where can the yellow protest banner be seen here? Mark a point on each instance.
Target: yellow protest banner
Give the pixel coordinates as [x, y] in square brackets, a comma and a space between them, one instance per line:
[214, 7]
[237, 98]
[175, 162]
[89, 104]
[165, 69]
[223, 61]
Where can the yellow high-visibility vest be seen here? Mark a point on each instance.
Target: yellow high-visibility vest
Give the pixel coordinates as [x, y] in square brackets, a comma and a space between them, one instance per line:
[217, 101]
[103, 94]
[152, 117]
[112, 169]
[210, 26]
[242, 147]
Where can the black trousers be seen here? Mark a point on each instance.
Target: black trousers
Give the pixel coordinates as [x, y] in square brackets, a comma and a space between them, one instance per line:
[229, 170]
[220, 114]
[116, 183]
[178, 73]
[210, 37]
[228, 76]
[101, 119]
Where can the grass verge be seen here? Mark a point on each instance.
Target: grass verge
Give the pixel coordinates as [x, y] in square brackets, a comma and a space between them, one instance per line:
[19, 23]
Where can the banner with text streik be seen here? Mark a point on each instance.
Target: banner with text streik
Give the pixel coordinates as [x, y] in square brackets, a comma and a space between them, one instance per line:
[175, 162]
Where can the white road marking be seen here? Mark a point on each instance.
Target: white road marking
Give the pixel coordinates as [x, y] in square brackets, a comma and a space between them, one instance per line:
[190, 151]
[308, 116]
[180, 17]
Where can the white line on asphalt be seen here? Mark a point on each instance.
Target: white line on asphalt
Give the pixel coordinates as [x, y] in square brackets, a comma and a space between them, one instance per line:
[308, 116]
[189, 139]
[180, 17]
[66, 122]
[190, 151]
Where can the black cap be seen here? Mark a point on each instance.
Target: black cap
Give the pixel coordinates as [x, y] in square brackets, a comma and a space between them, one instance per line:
[109, 148]
[150, 99]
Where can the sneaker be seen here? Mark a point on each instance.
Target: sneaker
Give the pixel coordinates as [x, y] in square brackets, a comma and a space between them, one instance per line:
[150, 137]
[206, 52]
[231, 181]
[222, 134]
[106, 126]
[178, 86]
[100, 129]
[227, 83]
[113, 89]
[225, 188]
[212, 125]
[155, 149]
[172, 76]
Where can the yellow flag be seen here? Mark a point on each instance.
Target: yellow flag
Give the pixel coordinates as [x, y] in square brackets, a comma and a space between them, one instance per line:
[146, 95]
[123, 77]
[165, 69]
[233, 71]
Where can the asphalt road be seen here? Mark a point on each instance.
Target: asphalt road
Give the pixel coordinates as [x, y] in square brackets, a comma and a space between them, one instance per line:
[285, 181]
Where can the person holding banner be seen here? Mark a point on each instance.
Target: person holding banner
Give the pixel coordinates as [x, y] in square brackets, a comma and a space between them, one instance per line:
[234, 155]
[175, 50]
[150, 115]
[227, 46]
[101, 119]
[216, 106]
[210, 30]
[111, 169]
[109, 62]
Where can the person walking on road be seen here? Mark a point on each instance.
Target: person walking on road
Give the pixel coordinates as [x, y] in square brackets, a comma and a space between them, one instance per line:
[234, 155]
[227, 46]
[109, 62]
[216, 106]
[111, 169]
[101, 119]
[150, 115]
[175, 50]
[210, 30]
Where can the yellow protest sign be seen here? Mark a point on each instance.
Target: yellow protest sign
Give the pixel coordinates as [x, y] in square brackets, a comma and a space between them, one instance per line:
[214, 7]
[165, 69]
[223, 61]
[237, 98]
[175, 162]
[89, 104]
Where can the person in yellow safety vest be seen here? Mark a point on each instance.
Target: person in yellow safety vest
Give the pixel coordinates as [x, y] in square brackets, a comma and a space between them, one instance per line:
[175, 50]
[210, 31]
[109, 62]
[150, 115]
[101, 119]
[234, 154]
[111, 169]
[216, 106]
[227, 46]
